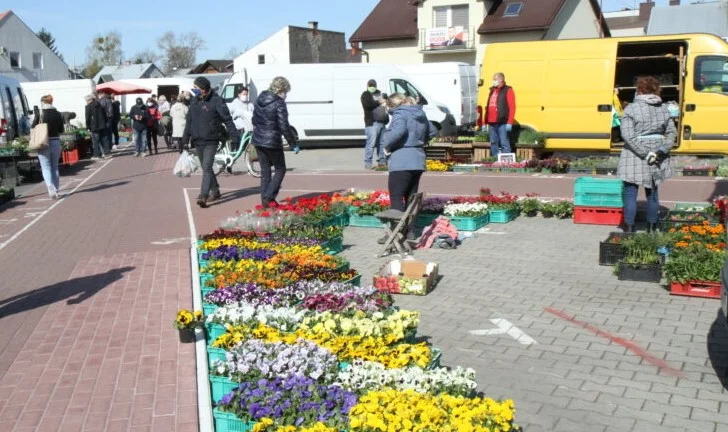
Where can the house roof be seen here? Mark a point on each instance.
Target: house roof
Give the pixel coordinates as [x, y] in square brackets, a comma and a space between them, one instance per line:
[389, 20]
[4, 14]
[218, 65]
[534, 15]
[118, 72]
[690, 18]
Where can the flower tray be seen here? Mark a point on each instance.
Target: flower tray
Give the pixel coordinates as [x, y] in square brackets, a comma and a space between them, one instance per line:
[406, 277]
[206, 290]
[469, 223]
[605, 170]
[696, 289]
[227, 422]
[333, 246]
[215, 354]
[502, 216]
[214, 331]
[368, 221]
[208, 308]
[435, 361]
[598, 215]
[220, 386]
[69, 157]
[678, 218]
[425, 219]
[687, 172]
[639, 272]
[204, 277]
[692, 207]
[609, 252]
[356, 280]
[340, 220]
[466, 168]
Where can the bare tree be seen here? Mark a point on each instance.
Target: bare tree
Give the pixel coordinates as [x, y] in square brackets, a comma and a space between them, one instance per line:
[233, 53]
[145, 56]
[180, 51]
[105, 49]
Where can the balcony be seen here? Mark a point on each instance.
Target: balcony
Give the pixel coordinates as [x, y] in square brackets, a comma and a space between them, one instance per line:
[441, 40]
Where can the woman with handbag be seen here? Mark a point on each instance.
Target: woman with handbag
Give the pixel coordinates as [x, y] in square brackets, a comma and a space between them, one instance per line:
[49, 155]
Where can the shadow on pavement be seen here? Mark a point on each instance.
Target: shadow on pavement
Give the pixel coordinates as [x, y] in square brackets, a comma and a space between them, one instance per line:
[100, 186]
[74, 290]
[16, 202]
[718, 348]
[229, 196]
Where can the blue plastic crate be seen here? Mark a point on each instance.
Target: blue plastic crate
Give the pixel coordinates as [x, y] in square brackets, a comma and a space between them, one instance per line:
[204, 277]
[598, 185]
[215, 354]
[598, 200]
[425, 219]
[340, 220]
[333, 246]
[220, 386]
[214, 331]
[208, 308]
[469, 223]
[367, 221]
[502, 216]
[356, 280]
[227, 422]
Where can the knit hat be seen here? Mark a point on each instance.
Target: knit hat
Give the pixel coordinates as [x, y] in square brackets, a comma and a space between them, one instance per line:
[371, 83]
[203, 83]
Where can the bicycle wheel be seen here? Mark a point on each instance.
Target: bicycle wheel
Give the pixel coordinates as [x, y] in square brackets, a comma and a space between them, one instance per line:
[251, 163]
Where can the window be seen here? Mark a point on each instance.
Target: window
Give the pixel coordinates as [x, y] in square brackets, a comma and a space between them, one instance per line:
[407, 89]
[261, 58]
[15, 59]
[231, 91]
[37, 61]
[711, 74]
[451, 16]
[513, 9]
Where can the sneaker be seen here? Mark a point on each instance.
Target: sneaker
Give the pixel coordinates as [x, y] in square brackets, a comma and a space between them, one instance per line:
[144, 154]
[95, 158]
[137, 154]
[202, 202]
[216, 195]
[115, 147]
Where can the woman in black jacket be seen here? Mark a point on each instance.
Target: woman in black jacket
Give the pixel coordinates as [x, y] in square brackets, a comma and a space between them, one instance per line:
[270, 124]
[49, 156]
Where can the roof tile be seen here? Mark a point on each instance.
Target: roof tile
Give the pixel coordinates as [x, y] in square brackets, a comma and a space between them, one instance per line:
[389, 20]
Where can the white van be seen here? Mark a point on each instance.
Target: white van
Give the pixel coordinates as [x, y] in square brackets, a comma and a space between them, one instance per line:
[325, 98]
[170, 86]
[14, 120]
[68, 96]
[452, 83]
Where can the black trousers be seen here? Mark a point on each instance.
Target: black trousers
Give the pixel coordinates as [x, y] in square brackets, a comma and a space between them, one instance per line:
[152, 136]
[270, 185]
[402, 185]
[206, 152]
[115, 132]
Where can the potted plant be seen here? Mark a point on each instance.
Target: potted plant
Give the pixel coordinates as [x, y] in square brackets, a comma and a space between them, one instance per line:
[6, 194]
[530, 138]
[564, 209]
[186, 322]
[548, 209]
[530, 207]
[641, 261]
[695, 270]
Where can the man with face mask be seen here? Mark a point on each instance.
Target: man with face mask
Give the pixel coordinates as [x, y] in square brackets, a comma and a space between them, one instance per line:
[500, 115]
[139, 117]
[208, 122]
[373, 130]
[242, 111]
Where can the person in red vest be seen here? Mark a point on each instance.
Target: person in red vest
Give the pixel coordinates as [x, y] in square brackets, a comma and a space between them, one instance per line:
[500, 114]
[153, 125]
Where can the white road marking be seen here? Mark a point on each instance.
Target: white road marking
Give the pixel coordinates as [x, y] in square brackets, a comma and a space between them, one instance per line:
[7, 221]
[60, 200]
[34, 214]
[506, 327]
[170, 241]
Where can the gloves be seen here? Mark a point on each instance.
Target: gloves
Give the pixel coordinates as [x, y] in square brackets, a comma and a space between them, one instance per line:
[651, 158]
[509, 127]
[387, 153]
[296, 148]
[661, 156]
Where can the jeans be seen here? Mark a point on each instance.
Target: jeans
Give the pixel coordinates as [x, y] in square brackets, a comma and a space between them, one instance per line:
[373, 133]
[206, 152]
[48, 158]
[270, 185]
[152, 137]
[630, 203]
[140, 137]
[499, 142]
[402, 185]
[99, 140]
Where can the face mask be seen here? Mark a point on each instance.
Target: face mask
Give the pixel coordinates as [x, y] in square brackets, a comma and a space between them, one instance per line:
[496, 83]
[150, 104]
[372, 89]
[196, 92]
[244, 98]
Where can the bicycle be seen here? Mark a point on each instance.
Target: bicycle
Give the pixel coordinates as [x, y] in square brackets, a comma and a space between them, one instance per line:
[225, 157]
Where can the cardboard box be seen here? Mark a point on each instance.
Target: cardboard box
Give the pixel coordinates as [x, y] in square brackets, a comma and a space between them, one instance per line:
[406, 277]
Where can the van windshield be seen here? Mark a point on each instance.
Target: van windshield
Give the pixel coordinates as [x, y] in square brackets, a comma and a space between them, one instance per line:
[230, 91]
[398, 85]
[711, 74]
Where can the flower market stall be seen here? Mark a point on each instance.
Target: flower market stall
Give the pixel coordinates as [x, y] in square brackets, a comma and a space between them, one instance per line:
[295, 343]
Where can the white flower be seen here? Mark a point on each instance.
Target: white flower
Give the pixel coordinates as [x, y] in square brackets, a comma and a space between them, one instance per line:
[465, 209]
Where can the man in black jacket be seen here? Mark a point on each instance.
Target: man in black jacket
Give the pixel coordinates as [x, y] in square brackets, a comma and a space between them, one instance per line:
[369, 104]
[115, 119]
[96, 122]
[208, 122]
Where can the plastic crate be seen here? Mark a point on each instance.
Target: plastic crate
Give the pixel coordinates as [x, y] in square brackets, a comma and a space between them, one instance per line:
[696, 289]
[469, 223]
[206, 290]
[227, 422]
[333, 246]
[668, 223]
[502, 216]
[639, 272]
[204, 277]
[598, 215]
[215, 354]
[356, 280]
[424, 220]
[340, 220]
[435, 361]
[610, 253]
[214, 331]
[220, 386]
[598, 186]
[687, 206]
[590, 199]
[367, 221]
[208, 308]
[466, 168]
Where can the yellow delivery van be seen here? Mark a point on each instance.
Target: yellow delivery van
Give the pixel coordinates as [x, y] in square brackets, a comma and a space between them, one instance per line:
[567, 89]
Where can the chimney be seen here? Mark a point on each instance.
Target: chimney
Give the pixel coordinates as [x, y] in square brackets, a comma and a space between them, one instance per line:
[646, 10]
[674, 2]
[313, 25]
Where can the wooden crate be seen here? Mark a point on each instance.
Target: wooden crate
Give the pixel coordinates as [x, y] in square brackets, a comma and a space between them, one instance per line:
[481, 150]
[437, 153]
[528, 153]
[462, 152]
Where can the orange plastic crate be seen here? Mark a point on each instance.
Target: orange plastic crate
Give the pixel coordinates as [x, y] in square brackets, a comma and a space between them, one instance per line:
[598, 215]
[696, 289]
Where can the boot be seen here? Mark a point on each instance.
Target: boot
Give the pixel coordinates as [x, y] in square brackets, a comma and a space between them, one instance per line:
[215, 195]
[652, 227]
[202, 201]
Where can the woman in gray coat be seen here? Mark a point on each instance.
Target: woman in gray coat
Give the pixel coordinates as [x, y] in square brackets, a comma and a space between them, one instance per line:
[649, 135]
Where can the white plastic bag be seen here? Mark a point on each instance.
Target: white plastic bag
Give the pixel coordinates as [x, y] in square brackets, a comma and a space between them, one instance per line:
[186, 165]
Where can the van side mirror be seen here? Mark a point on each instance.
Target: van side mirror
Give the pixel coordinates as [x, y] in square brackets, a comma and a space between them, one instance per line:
[480, 82]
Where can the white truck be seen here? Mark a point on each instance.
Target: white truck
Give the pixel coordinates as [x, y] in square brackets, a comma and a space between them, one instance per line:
[169, 86]
[325, 99]
[14, 110]
[68, 96]
[452, 83]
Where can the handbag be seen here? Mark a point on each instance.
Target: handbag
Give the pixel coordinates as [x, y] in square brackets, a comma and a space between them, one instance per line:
[39, 136]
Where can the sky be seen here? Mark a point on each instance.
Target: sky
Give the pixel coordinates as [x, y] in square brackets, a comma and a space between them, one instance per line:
[222, 24]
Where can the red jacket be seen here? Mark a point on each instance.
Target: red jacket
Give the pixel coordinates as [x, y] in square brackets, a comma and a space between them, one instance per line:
[505, 105]
[154, 116]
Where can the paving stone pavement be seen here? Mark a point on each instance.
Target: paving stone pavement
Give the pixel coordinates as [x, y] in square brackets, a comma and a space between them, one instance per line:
[572, 379]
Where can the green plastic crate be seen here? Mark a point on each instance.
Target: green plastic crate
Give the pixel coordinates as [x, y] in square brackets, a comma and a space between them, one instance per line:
[425, 219]
[340, 220]
[367, 221]
[356, 280]
[333, 246]
[208, 308]
[598, 200]
[220, 386]
[203, 263]
[598, 186]
[227, 422]
[204, 277]
[689, 206]
[469, 223]
[502, 216]
[214, 331]
[215, 354]
[435, 361]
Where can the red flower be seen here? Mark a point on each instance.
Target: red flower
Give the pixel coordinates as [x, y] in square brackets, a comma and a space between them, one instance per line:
[265, 214]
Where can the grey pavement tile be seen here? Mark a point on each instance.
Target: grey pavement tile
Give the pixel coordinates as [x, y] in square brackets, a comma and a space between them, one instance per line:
[689, 425]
